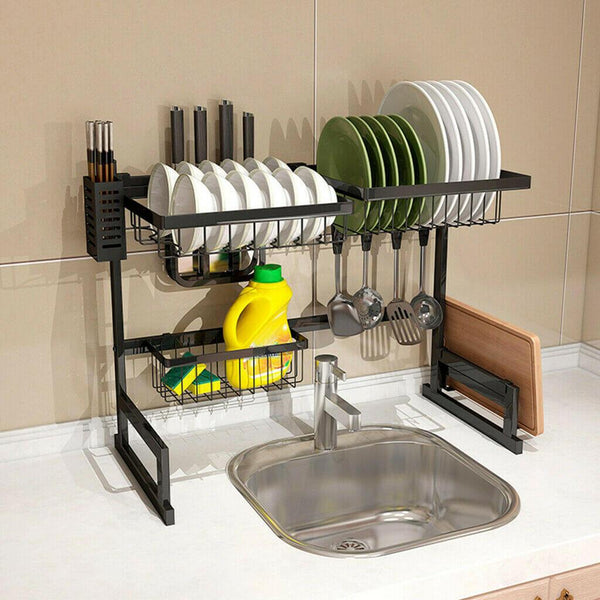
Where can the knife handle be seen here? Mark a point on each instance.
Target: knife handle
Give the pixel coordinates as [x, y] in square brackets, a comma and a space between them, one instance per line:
[226, 129]
[177, 142]
[248, 134]
[200, 135]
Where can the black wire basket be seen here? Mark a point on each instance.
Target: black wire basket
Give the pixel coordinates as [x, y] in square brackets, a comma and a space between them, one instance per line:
[196, 367]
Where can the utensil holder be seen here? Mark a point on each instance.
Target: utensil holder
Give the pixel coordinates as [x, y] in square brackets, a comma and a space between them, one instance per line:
[104, 220]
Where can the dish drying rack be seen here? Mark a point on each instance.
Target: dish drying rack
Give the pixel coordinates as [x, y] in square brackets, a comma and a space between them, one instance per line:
[106, 233]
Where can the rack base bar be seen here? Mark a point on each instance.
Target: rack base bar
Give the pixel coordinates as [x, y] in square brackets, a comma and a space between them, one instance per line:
[469, 416]
[500, 391]
[158, 492]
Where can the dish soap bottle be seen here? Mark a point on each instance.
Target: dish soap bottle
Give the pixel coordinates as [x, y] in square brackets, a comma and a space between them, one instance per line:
[258, 317]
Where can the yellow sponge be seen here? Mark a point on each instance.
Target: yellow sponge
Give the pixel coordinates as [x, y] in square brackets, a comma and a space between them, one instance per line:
[178, 379]
[205, 383]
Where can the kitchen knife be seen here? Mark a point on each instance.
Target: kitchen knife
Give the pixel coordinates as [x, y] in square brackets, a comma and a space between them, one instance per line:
[248, 134]
[226, 129]
[200, 137]
[177, 141]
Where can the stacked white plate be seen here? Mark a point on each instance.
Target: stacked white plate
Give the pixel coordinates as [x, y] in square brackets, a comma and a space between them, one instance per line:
[210, 187]
[460, 140]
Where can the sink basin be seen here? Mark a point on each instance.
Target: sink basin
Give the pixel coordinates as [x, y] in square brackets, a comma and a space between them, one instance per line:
[383, 489]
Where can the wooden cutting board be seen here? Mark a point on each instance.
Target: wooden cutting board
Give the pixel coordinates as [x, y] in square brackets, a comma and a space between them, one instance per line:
[504, 350]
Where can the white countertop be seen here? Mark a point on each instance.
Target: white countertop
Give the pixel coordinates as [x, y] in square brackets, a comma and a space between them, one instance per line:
[73, 527]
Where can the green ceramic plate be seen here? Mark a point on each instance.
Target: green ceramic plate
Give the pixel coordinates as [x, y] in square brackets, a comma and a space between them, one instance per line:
[341, 154]
[378, 172]
[405, 167]
[388, 207]
[418, 156]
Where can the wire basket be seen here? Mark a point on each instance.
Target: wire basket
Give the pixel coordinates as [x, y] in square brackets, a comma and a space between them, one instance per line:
[209, 374]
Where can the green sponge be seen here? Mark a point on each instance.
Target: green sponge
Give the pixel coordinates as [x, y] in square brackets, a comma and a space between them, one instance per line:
[178, 379]
[205, 383]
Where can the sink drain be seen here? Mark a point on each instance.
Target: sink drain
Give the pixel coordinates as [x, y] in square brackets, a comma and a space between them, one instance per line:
[351, 546]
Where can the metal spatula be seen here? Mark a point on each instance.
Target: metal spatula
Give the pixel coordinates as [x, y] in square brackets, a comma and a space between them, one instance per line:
[399, 312]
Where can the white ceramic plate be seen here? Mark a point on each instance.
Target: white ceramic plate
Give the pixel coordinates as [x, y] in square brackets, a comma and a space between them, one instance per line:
[274, 195]
[160, 188]
[252, 198]
[481, 143]
[251, 163]
[410, 101]
[449, 211]
[318, 190]
[229, 165]
[493, 138]
[186, 168]
[297, 193]
[207, 166]
[275, 163]
[228, 199]
[190, 196]
[466, 142]
[333, 195]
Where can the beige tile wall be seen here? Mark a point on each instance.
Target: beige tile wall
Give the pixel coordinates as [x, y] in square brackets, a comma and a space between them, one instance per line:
[131, 61]
[523, 56]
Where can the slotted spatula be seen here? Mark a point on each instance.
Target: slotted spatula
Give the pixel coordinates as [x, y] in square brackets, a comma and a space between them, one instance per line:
[399, 312]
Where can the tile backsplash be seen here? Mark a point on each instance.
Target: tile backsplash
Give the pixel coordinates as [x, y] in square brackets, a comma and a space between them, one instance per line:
[537, 62]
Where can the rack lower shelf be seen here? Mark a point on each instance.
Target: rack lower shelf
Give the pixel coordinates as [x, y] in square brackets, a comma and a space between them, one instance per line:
[195, 366]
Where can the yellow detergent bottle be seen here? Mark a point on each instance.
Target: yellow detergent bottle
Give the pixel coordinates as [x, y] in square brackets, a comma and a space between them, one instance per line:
[258, 317]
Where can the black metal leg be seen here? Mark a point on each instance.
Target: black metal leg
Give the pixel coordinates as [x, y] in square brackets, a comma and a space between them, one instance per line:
[439, 293]
[159, 492]
[446, 364]
[116, 294]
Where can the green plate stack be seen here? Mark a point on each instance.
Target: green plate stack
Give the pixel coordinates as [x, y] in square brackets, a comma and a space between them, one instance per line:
[375, 151]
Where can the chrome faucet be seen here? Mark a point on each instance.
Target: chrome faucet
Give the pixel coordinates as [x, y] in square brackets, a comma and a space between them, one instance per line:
[329, 407]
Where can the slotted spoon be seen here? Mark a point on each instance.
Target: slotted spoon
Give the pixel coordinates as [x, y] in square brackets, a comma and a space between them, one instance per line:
[400, 313]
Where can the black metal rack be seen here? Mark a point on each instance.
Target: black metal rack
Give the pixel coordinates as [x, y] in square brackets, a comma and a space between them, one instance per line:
[106, 242]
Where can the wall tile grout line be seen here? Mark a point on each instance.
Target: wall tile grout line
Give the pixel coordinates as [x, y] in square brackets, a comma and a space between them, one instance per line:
[40, 261]
[59, 259]
[571, 185]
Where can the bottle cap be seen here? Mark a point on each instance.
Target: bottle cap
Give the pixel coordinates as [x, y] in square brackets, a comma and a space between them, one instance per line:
[267, 274]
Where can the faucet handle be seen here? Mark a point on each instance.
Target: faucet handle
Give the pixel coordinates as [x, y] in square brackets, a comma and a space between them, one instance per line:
[339, 373]
[326, 369]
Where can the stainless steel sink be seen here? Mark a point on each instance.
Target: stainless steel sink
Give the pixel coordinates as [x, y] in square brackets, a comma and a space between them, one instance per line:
[383, 489]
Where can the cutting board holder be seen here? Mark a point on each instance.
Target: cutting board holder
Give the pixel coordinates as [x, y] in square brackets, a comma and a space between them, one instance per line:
[446, 364]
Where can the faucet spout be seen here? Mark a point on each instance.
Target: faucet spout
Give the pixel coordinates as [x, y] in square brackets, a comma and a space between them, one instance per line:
[342, 411]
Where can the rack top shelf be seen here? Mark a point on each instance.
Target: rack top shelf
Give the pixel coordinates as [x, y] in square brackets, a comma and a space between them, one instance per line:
[136, 187]
[508, 180]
